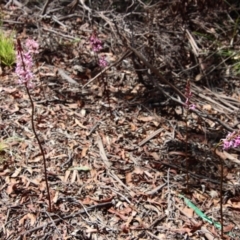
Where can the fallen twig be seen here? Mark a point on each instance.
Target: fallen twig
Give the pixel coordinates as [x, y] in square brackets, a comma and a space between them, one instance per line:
[100, 205]
[66, 77]
[154, 70]
[102, 152]
[45, 6]
[108, 67]
[152, 135]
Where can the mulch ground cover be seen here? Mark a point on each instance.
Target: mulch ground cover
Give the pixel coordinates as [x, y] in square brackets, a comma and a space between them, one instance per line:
[125, 158]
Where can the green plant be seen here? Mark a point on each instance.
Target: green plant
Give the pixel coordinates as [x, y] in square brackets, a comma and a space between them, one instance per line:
[5, 147]
[231, 57]
[7, 51]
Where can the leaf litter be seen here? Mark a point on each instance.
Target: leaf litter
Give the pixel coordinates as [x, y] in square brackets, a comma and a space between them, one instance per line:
[111, 177]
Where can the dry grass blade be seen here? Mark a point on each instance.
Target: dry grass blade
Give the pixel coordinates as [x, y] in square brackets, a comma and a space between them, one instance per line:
[102, 152]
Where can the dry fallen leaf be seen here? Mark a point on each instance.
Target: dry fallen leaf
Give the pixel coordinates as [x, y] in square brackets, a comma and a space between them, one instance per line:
[80, 124]
[146, 119]
[207, 107]
[188, 212]
[29, 216]
[55, 198]
[84, 152]
[17, 172]
[156, 156]
[67, 173]
[133, 127]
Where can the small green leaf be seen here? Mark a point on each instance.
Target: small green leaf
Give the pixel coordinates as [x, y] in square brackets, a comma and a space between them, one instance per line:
[199, 212]
[7, 51]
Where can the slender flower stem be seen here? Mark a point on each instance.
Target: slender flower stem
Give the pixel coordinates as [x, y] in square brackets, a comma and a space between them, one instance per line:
[22, 70]
[232, 140]
[102, 62]
[188, 95]
[221, 198]
[41, 149]
[221, 189]
[188, 106]
[187, 159]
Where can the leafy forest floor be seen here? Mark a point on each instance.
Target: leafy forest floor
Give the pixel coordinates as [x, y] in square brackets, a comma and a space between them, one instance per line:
[125, 158]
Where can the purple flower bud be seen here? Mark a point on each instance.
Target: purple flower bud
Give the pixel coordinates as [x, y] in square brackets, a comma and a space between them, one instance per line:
[188, 95]
[231, 141]
[102, 61]
[96, 43]
[32, 46]
[25, 63]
